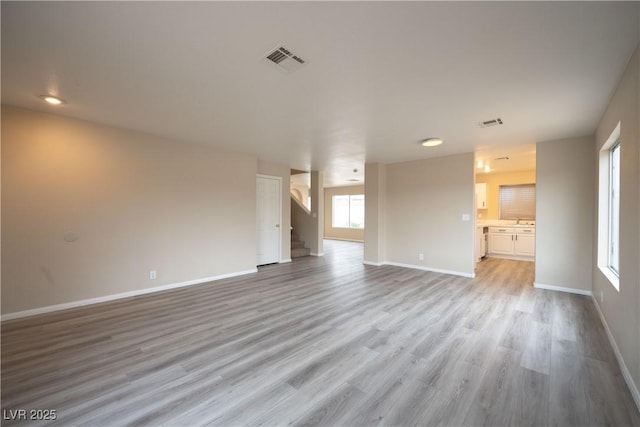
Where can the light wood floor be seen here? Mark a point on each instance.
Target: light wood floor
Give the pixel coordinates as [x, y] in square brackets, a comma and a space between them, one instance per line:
[325, 341]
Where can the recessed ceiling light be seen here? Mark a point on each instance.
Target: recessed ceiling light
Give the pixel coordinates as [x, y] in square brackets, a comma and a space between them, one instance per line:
[53, 100]
[431, 142]
[487, 169]
[480, 164]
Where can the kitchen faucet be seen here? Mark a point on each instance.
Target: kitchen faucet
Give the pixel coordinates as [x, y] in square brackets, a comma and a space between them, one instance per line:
[518, 221]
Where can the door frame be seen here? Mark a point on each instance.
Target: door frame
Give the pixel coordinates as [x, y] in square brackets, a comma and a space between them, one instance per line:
[279, 179]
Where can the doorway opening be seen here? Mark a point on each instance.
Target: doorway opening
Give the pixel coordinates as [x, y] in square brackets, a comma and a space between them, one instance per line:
[505, 191]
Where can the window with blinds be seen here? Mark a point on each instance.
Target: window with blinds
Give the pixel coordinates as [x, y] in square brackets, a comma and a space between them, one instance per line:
[518, 201]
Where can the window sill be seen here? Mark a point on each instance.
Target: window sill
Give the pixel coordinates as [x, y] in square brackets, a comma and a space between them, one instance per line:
[611, 276]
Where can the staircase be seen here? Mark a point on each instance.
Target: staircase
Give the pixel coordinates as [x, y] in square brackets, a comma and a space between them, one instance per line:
[297, 247]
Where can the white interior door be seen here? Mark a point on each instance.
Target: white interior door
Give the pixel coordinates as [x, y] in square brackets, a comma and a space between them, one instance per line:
[268, 216]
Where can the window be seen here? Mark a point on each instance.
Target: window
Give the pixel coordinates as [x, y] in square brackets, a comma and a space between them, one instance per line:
[348, 211]
[609, 208]
[518, 201]
[614, 208]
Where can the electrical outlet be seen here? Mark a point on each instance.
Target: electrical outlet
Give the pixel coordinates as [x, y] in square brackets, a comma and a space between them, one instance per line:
[153, 274]
[421, 257]
[601, 296]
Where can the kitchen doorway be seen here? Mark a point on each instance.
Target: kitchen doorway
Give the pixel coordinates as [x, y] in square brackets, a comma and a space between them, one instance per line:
[505, 183]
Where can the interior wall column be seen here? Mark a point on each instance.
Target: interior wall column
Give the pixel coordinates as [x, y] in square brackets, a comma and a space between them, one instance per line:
[317, 212]
[374, 213]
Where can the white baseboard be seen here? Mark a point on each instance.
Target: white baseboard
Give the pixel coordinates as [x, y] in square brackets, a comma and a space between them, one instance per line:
[316, 254]
[435, 270]
[344, 240]
[512, 257]
[80, 303]
[623, 366]
[284, 261]
[375, 264]
[561, 289]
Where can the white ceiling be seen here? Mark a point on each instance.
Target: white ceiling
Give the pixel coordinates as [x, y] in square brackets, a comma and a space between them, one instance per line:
[507, 158]
[380, 76]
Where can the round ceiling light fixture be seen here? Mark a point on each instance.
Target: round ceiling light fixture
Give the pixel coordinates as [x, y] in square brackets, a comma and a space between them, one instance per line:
[432, 142]
[53, 100]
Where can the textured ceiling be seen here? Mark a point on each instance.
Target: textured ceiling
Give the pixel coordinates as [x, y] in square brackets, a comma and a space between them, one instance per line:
[379, 77]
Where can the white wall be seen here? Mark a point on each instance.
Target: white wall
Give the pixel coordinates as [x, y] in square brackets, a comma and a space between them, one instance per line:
[564, 214]
[136, 203]
[301, 193]
[621, 309]
[425, 201]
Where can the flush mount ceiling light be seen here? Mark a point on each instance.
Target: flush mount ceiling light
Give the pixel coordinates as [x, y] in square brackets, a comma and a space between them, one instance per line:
[431, 142]
[53, 100]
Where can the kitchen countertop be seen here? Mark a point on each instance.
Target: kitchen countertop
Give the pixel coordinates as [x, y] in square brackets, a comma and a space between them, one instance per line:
[504, 223]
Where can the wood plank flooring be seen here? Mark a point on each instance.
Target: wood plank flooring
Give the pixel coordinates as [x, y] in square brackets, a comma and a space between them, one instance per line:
[324, 341]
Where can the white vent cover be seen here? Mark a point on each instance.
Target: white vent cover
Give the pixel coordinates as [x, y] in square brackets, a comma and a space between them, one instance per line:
[489, 123]
[286, 60]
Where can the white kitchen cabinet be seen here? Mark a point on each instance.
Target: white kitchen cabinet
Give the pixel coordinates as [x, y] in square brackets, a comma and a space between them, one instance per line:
[481, 195]
[512, 242]
[524, 245]
[500, 241]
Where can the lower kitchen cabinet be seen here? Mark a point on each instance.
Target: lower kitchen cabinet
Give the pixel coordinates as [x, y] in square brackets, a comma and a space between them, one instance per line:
[500, 243]
[512, 242]
[525, 245]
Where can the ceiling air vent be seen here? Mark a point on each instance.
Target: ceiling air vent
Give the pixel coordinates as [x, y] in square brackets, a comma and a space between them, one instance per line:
[286, 60]
[489, 123]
